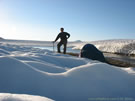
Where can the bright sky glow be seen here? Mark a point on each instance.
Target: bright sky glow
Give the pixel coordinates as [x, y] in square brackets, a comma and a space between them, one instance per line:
[86, 20]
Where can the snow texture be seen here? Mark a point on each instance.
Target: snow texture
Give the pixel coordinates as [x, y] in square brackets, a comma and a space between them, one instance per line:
[21, 97]
[112, 46]
[123, 46]
[26, 70]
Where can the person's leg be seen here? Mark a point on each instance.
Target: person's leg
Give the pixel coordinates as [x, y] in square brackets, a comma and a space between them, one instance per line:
[58, 47]
[65, 47]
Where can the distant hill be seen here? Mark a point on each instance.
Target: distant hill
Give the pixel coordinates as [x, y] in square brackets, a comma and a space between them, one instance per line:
[78, 41]
[2, 38]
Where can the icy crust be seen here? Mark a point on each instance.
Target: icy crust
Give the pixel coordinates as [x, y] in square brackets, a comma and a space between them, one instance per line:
[112, 46]
[26, 70]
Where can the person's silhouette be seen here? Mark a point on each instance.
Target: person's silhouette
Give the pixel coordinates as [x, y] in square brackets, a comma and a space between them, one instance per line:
[63, 36]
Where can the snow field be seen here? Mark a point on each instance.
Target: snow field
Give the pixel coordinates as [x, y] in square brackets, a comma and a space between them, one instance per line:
[25, 70]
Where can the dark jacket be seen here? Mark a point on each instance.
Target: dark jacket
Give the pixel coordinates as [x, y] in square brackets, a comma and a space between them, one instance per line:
[63, 36]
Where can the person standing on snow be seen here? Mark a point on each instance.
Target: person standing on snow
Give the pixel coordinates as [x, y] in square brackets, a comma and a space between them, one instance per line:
[63, 36]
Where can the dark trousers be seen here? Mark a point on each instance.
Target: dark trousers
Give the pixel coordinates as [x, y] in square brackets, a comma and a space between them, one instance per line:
[64, 43]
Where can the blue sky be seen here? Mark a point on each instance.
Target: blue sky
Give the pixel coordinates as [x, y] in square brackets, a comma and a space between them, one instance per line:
[86, 20]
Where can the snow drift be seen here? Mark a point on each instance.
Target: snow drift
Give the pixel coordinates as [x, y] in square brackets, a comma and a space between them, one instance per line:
[21, 97]
[26, 70]
[122, 46]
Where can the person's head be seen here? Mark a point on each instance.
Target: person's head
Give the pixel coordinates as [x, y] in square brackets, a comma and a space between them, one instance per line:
[62, 29]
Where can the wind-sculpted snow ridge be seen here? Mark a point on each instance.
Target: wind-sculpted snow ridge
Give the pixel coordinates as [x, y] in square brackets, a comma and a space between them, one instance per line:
[21, 97]
[26, 70]
[112, 46]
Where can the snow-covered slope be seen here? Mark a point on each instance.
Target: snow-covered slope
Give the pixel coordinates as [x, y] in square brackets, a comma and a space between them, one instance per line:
[123, 46]
[113, 46]
[21, 97]
[25, 70]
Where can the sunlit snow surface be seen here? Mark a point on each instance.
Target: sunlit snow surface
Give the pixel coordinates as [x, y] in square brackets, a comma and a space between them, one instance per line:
[26, 70]
[124, 46]
[21, 97]
[112, 46]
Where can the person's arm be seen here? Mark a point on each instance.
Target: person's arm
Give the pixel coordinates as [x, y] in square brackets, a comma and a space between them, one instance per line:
[57, 37]
[68, 35]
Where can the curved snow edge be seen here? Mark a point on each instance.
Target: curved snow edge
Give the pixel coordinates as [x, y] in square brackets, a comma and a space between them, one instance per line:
[22, 97]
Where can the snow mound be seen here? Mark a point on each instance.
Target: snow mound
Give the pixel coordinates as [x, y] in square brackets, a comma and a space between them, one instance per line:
[21, 97]
[61, 77]
[46, 67]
